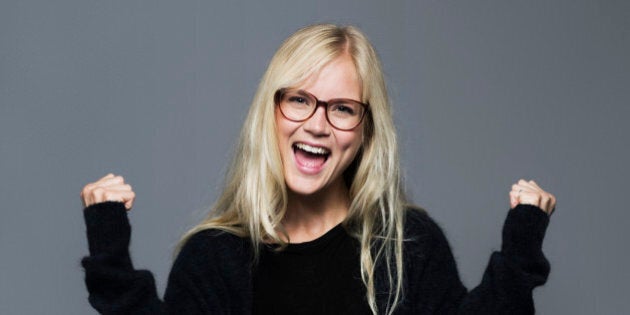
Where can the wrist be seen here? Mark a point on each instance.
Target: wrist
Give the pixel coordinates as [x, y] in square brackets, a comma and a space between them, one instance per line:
[524, 231]
[108, 228]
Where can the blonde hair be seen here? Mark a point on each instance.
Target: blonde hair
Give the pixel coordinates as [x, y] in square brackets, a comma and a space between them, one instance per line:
[254, 198]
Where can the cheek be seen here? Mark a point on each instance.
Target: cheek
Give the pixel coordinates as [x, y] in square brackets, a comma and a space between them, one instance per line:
[283, 128]
[351, 143]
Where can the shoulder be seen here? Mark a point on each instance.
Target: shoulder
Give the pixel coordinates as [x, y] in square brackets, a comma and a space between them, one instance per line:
[213, 268]
[418, 223]
[421, 232]
[214, 247]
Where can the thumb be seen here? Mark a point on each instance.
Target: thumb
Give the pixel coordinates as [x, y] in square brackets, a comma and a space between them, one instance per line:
[514, 200]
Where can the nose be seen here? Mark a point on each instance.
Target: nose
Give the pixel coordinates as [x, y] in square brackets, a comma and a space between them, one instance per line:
[318, 124]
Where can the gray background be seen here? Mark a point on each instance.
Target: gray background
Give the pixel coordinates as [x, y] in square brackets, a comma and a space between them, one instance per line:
[485, 93]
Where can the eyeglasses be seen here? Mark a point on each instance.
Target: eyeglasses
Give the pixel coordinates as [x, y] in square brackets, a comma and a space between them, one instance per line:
[299, 105]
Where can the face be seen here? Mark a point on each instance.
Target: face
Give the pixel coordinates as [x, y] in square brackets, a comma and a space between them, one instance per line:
[315, 154]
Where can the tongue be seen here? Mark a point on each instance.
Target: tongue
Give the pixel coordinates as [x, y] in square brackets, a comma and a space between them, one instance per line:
[309, 160]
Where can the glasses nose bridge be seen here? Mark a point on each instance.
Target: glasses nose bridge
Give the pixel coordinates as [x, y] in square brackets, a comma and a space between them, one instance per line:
[319, 103]
[324, 104]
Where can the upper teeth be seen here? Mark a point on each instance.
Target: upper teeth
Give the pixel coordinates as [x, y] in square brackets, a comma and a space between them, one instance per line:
[310, 149]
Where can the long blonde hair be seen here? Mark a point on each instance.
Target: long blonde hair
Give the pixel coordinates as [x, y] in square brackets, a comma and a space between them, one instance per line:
[254, 197]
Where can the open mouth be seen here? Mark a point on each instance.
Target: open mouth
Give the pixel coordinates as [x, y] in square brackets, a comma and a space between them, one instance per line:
[310, 157]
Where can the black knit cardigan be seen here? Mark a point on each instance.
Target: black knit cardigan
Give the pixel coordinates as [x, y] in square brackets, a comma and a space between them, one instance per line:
[213, 272]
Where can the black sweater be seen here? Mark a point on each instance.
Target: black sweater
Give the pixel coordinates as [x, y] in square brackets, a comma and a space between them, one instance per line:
[213, 272]
[322, 276]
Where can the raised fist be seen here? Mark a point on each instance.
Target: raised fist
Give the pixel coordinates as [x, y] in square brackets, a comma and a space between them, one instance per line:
[528, 192]
[108, 188]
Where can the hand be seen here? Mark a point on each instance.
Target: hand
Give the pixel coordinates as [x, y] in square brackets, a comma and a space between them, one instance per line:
[108, 188]
[530, 193]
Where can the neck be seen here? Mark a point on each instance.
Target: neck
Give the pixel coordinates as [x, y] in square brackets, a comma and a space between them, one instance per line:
[310, 216]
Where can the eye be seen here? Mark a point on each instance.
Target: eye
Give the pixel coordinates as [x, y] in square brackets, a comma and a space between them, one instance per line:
[298, 99]
[343, 109]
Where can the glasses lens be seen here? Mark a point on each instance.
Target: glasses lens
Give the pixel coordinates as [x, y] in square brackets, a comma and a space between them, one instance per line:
[296, 105]
[345, 114]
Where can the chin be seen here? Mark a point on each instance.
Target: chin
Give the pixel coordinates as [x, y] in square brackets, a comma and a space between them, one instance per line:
[304, 187]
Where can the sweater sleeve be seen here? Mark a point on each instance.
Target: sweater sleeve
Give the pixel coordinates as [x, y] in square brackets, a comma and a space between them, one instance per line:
[116, 287]
[509, 278]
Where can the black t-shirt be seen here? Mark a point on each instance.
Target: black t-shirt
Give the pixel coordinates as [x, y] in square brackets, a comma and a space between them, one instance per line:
[317, 277]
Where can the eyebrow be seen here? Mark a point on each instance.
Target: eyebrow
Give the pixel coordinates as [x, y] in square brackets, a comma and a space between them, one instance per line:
[307, 93]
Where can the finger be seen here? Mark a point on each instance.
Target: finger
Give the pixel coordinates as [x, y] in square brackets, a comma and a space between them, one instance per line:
[552, 203]
[100, 194]
[83, 200]
[109, 175]
[119, 187]
[127, 196]
[514, 200]
[519, 187]
[534, 184]
[111, 181]
[122, 196]
[87, 194]
[525, 183]
[129, 204]
[89, 188]
[92, 196]
[544, 202]
[548, 206]
[530, 198]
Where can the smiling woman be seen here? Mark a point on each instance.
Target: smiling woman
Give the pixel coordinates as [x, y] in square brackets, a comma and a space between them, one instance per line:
[314, 153]
[313, 219]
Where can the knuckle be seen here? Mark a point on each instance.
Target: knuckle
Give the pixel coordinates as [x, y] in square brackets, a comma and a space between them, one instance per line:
[98, 193]
[110, 196]
[87, 188]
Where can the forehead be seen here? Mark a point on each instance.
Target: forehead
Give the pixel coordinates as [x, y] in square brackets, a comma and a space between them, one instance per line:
[337, 79]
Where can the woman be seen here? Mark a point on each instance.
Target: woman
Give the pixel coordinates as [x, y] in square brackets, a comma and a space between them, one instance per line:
[312, 218]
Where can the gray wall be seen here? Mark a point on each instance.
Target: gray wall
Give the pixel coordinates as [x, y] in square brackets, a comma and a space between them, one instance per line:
[485, 93]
